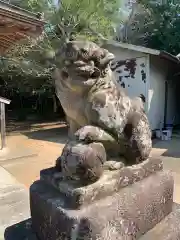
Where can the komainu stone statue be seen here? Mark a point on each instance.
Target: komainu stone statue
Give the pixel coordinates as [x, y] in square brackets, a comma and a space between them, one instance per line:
[104, 186]
[97, 108]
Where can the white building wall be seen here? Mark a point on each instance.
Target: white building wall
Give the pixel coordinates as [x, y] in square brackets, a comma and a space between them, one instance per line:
[156, 98]
[153, 89]
[130, 68]
[135, 82]
[156, 95]
[131, 74]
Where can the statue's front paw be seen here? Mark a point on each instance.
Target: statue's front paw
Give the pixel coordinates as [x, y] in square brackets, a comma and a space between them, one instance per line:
[85, 134]
[113, 165]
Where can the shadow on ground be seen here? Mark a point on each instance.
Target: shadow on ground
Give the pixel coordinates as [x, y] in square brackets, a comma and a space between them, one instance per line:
[15, 127]
[56, 135]
[20, 231]
[25, 126]
[170, 148]
[171, 154]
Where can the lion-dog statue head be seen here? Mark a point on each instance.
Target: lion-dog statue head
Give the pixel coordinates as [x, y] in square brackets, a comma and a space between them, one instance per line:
[83, 63]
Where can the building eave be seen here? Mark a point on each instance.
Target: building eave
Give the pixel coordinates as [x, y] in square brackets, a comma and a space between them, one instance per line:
[161, 54]
[168, 56]
[23, 12]
[17, 24]
[133, 47]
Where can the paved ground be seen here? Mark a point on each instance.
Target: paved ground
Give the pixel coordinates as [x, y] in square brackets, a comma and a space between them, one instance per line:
[14, 201]
[169, 151]
[45, 142]
[36, 150]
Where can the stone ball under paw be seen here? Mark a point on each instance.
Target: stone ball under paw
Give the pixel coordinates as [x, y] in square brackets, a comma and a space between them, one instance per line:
[82, 162]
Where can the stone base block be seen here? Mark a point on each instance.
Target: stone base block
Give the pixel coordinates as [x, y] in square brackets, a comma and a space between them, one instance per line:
[110, 182]
[125, 215]
[167, 229]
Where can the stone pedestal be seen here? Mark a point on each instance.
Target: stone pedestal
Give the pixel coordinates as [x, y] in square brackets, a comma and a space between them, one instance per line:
[123, 204]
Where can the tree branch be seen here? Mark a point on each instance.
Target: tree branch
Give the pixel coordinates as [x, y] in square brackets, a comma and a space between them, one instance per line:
[97, 34]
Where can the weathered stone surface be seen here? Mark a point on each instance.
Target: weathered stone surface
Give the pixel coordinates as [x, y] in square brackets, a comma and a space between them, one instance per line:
[110, 182]
[125, 215]
[95, 104]
[82, 162]
[168, 228]
[20, 231]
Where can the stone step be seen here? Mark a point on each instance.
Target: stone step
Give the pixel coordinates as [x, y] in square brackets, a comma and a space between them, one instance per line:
[167, 229]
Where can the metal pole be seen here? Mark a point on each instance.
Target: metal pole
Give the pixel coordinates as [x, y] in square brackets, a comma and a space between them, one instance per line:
[3, 126]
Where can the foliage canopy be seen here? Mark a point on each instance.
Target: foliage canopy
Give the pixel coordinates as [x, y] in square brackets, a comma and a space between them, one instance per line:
[156, 24]
[66, 19]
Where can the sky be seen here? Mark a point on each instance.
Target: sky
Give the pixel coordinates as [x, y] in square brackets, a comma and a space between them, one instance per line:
[56, 2]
